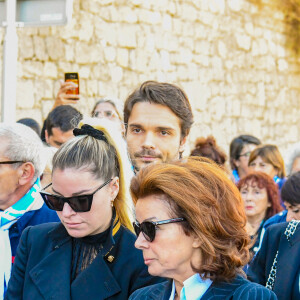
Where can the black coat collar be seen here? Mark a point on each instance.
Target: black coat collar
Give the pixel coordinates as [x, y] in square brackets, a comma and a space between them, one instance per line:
[90, 284]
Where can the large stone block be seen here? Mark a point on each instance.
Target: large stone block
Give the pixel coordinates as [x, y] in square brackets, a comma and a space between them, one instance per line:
[116, 74]
[122, 57]
[26, 49]
[50, 70]
[40, 48]
[92, 88]
[243, 41]
[85, 53]
[110, 54]
[217, 6]
[25, 95]
[55, 48]
[31, 69]
[127, 36]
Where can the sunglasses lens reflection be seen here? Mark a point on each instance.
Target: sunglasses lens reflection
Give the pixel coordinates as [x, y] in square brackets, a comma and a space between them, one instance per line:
[53, 202]
[80, 204]
[148, 230]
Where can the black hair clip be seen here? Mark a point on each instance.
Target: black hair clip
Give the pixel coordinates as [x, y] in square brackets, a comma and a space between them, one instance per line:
[90, 131]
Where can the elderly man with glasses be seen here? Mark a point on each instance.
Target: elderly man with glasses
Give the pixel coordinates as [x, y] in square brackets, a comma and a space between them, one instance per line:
[22, 161]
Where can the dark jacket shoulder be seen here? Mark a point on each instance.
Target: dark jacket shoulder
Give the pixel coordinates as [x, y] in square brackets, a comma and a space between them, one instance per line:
[238, 289]
[275, 242]
[45, 254]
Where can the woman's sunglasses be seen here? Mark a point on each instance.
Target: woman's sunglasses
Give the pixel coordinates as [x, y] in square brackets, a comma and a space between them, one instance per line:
[82, 203]
[148, 228]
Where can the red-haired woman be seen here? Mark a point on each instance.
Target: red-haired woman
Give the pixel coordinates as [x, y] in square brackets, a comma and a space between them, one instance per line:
[191, 228]
[261, 201]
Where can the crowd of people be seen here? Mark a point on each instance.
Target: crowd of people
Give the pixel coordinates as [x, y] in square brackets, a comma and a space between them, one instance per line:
[108, 206]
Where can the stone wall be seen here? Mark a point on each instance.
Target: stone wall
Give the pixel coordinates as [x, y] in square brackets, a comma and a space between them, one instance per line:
[229, 56]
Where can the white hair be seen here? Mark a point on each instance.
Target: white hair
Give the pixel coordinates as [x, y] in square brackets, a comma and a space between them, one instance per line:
[23, 144]
[290, 157]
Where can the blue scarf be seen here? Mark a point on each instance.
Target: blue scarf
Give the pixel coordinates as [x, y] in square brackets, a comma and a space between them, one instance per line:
[32, 200]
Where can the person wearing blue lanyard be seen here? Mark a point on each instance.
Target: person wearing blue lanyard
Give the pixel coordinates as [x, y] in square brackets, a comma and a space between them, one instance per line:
[239, 152]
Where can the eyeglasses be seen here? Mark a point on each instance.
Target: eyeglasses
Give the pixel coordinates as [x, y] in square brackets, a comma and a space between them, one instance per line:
[11, 162]
[246, 154]
[105, 114]
[81, 203]
[148, 228]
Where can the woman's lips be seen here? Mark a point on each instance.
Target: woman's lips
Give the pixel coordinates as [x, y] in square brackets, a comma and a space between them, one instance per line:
[72, 225]
[147, 261]
[249, 207]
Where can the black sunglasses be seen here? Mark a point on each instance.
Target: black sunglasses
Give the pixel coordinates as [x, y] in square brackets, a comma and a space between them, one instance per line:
[11, 162]
[148, 228]
[81, 203]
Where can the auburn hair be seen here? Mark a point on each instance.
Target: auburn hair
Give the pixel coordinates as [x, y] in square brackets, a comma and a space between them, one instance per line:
[207, 147]
[201, 192]
[263, 180]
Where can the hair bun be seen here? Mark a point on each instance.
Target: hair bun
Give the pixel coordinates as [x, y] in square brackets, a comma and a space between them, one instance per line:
[205, 142]
[90, 131]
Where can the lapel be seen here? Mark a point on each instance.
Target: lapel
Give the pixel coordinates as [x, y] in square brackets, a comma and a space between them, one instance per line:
[52, 274]
[288, 264]
[161, 291]
[223, 290]
[166, 292]
[97, 280]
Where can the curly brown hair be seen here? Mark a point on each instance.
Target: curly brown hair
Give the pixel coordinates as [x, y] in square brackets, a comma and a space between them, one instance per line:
[201, 192]
[264, 181]
[207, 147]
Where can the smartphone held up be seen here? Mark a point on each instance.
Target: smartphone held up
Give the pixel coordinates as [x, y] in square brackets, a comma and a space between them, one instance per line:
[72, 77]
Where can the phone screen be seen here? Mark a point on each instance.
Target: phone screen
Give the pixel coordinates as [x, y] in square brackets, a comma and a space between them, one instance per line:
[73, 77]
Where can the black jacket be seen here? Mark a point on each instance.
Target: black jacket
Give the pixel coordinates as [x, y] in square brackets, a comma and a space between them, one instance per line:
[238, 289]
[286, 284]
[43, 265]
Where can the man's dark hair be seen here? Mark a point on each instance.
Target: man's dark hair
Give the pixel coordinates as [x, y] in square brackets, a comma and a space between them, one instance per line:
[33, 124]
[164, 94]
[237, 145]
[65, 117]
[290, 191]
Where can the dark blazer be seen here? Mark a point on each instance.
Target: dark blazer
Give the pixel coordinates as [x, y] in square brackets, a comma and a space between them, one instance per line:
[238, 289]
[42, 268]
[286, 285]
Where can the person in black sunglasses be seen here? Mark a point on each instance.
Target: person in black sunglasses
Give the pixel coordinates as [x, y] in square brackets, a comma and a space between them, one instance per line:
[191, 229]
[91, 254]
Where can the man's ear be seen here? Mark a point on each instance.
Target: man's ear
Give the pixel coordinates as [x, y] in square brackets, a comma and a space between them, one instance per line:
[46, 136]
[182, 144]
[26, 173]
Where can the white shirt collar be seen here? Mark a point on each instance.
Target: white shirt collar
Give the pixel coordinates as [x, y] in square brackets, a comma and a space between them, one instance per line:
[193, 288]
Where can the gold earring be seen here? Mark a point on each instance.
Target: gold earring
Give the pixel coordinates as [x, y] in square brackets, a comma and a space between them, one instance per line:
[112, 203]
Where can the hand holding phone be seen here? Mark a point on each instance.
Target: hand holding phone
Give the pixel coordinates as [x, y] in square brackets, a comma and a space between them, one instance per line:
[73, 78]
